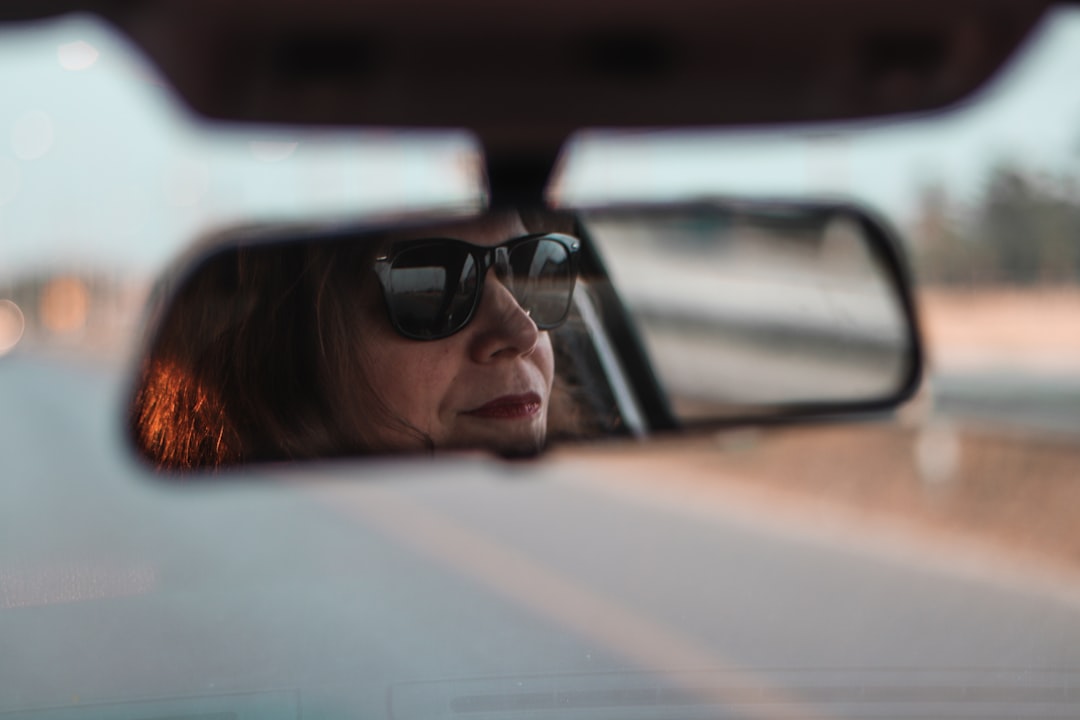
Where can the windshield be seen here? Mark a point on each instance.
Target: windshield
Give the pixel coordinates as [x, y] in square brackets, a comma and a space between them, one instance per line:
[921, 568]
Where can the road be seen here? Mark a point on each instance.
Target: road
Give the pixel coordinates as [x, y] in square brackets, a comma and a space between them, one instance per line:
[595, 581]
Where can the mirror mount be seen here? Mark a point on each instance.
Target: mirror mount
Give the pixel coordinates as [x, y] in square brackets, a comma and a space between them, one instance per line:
[517, 176]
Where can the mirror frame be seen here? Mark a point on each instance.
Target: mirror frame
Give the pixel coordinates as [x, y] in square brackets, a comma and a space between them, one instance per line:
[616, 319]
[883, 242]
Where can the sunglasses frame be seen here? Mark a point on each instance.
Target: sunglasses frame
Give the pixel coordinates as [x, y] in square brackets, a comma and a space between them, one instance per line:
[485, 257]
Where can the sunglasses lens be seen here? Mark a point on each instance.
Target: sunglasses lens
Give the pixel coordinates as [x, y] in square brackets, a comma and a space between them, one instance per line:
[432, 289]
[542, 280]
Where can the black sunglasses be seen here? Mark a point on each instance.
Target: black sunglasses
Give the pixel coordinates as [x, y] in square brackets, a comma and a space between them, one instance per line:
[432, 287]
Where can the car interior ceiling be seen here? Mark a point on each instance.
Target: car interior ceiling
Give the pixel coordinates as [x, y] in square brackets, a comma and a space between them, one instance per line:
[523, 76]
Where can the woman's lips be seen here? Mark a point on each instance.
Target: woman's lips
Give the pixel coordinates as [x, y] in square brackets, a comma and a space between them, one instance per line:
[509, 407]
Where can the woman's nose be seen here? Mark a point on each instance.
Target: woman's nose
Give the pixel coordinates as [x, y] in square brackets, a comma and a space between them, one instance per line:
[503, 328]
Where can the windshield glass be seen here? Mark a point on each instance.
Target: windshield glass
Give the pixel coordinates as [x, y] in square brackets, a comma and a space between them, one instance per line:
[922, 568]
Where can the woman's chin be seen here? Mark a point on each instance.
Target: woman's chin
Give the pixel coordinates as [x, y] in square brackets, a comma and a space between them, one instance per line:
[522, 437]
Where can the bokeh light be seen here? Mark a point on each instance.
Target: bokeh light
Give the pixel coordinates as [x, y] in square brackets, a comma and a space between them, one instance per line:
[32, 135]
[65, 303]
[12, 325]
[78, 55]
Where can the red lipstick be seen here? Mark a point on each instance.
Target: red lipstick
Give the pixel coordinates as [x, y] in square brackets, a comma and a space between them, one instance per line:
[509, 407]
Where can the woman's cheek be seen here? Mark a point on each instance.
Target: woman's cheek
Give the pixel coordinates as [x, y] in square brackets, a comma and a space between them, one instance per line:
[427, 385]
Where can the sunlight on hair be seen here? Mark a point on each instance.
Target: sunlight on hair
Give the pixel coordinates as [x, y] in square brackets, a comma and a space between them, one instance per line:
[32, 135]
[12, 324]
[78, 55]
[180, 423]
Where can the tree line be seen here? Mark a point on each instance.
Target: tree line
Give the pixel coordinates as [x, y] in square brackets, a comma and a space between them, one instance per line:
[1023, 230]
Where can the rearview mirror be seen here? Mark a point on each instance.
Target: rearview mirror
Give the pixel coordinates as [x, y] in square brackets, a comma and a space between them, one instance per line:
[514, 329]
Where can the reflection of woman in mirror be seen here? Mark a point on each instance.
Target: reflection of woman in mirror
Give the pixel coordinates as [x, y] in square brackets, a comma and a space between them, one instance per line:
[430, 338]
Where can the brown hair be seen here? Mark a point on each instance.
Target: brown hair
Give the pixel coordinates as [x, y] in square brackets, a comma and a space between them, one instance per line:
[248, 362]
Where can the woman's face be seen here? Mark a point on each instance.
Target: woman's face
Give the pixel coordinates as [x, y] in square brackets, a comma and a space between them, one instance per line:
[487, 386]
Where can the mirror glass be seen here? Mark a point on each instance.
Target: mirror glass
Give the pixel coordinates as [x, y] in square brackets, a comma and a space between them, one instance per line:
[747, 307]
[505, 332]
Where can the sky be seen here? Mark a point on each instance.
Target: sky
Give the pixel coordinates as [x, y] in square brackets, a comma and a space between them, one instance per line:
[98, 160]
